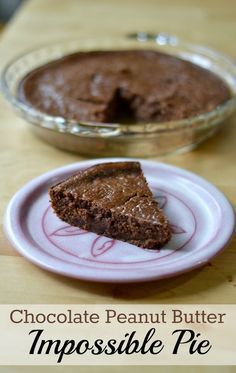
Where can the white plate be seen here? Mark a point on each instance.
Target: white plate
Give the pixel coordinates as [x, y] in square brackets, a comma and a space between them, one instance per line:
[201, 217]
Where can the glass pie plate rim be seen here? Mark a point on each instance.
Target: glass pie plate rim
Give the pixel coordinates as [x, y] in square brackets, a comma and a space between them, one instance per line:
[160, 41]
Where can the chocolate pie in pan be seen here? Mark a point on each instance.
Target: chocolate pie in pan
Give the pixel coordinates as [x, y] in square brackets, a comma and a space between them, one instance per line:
[141, 96]
[139, 85]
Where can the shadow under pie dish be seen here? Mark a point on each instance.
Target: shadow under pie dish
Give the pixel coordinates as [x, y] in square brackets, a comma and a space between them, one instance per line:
[122, 95]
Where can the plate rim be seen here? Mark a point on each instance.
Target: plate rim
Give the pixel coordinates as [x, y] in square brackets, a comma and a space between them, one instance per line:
[14, 207]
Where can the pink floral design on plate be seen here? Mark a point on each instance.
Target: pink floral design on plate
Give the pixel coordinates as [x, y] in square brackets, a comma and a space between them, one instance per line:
[99, 247]
[67, 230]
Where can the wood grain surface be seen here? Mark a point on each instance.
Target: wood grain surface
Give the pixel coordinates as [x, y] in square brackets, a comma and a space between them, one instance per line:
[24, 156]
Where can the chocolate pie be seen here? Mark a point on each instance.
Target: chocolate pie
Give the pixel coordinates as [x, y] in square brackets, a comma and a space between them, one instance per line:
[122, 86]
[112, 199]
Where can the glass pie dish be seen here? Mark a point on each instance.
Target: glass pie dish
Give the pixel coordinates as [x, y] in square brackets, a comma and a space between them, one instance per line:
[116, 139]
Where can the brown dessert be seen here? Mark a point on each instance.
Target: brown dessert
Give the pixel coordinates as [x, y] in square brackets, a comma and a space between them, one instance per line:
[116, 86]
[112, 199]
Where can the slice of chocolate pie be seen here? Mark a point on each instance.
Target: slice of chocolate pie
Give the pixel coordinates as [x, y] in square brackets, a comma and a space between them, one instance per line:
[114, 200]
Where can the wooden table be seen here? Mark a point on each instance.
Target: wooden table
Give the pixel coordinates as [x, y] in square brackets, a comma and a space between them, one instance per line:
[24, 156]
